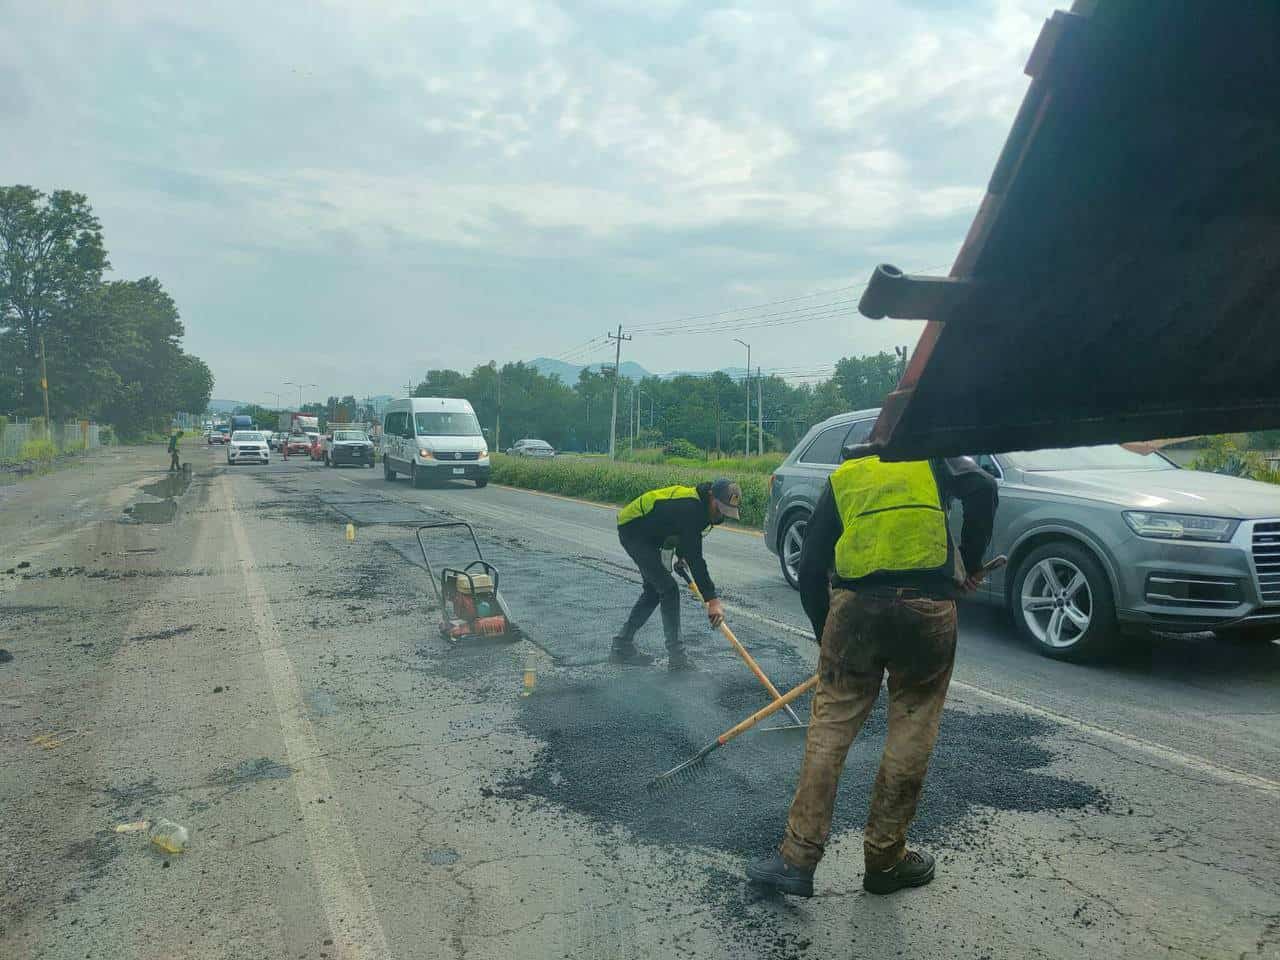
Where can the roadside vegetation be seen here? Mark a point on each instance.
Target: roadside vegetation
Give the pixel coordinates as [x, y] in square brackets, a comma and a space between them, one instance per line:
[1239, 455]
[112, 348]
[619, 482]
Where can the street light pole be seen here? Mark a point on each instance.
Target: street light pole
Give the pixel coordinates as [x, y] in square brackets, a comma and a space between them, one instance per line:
[746, 380]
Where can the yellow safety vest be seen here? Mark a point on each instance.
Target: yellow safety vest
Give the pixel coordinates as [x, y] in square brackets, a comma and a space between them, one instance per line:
[893, 518]
[643, 504]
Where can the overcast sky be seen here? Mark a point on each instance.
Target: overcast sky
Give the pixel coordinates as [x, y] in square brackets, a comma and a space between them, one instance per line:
[349, 193]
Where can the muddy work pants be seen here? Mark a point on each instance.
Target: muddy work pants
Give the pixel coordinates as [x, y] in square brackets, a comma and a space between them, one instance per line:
[660, 590]
[173, 461]
[867, 634]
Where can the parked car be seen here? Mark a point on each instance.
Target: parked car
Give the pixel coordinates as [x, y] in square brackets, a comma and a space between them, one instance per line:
[298, 443]
[348, 446]
[248, 446]
[531, 448]
[1099, 539]
[433, 437]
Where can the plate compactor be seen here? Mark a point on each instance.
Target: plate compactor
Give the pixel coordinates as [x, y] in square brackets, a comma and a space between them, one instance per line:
[471, 608]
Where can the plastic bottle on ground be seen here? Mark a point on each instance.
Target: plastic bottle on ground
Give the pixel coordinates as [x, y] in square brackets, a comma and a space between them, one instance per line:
[169, 836]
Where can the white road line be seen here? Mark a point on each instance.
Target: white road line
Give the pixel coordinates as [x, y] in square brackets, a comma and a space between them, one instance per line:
[1106, 734]
[353, 920]
[1149, 747]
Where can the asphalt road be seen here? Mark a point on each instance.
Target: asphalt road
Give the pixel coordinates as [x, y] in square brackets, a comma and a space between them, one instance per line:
[354, 787]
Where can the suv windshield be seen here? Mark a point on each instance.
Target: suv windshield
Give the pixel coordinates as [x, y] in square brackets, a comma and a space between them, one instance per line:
[349, 435]
[249, 436]
[1106, 457]
[457, 424]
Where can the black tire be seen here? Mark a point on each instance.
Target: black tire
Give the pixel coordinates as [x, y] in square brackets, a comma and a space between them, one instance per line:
[415, 478]
[388, 474]
[792, 531]
[1092, 599]
[1249, 635]
[481, 484]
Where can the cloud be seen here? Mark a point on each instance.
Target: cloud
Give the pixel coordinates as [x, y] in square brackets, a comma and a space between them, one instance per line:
[573, 151]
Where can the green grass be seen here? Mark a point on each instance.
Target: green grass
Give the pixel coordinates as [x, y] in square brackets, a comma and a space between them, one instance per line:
[728, 466]
[621, 482]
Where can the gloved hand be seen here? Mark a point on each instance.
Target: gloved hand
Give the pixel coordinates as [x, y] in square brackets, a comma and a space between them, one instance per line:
[715, 612]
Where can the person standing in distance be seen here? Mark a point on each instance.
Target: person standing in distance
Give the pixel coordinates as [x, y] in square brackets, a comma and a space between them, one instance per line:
[881, 529]
[671, 517]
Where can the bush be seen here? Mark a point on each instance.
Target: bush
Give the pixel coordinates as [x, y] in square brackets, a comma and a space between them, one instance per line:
[41, 450]
[619, 483]
[1223, 455]
[680, 447]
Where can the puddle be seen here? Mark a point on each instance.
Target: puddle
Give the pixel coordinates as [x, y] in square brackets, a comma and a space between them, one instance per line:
[163, 510]
[170, 485]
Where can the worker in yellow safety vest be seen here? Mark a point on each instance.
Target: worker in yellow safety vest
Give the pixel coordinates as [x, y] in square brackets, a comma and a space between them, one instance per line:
[670, 517]
[878, 573]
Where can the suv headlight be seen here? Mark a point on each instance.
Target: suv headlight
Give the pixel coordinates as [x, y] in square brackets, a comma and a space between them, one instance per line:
[424, 453]
[1180, 526]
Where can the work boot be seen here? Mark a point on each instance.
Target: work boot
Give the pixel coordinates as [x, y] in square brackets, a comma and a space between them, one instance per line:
[913, 870]
[782, 876]
[680, 662]
[626, 653]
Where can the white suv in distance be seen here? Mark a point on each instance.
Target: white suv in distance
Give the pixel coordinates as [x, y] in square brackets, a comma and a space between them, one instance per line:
[248, 446]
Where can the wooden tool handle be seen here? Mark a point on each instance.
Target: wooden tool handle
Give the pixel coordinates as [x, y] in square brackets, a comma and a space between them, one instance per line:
[749, 660]
[793, 694]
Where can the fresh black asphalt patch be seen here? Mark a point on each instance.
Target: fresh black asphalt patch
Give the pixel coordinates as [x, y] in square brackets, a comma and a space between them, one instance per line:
[606, 737]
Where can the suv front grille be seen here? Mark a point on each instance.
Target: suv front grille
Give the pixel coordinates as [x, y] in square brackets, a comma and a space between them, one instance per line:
[1266, 559]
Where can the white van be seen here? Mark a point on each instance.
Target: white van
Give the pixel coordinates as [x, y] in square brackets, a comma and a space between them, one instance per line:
[433, 438]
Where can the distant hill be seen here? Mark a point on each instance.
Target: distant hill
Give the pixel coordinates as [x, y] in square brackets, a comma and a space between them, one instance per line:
[224, 406]
[568, 372]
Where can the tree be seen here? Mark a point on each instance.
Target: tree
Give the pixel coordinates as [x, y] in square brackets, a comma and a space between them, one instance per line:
[148, 366]
[866, 381]
[194, 384]
[51, 260]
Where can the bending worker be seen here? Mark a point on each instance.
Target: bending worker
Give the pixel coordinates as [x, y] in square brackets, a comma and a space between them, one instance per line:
[660, 519]
[882, 529]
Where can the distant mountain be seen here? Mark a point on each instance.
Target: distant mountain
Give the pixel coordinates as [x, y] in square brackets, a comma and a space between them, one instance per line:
[568, 372]
[224, 406]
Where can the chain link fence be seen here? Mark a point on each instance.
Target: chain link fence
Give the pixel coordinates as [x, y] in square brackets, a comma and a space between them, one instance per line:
[17, 437]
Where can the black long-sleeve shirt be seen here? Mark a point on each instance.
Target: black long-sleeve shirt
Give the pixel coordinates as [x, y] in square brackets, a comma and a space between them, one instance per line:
[959, 478]
[677, 523]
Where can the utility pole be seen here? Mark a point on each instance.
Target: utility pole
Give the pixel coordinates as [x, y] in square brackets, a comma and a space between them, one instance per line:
[44, 385]
[497, 420]
[617, 371]
[746, 381]
[760, 410]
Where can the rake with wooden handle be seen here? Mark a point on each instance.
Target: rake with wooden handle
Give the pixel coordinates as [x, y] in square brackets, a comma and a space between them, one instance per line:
[682, 773]
[796, 723]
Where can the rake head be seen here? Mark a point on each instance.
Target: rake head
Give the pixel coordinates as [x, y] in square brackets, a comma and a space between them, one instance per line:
[683, 773]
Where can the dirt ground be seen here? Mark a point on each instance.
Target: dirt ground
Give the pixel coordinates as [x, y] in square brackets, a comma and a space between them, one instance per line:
[218, 653]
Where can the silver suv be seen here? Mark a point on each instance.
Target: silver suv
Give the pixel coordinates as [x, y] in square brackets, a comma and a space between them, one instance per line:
[1098, 539]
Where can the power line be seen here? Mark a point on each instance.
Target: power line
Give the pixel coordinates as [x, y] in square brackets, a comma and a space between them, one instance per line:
[758, 306]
